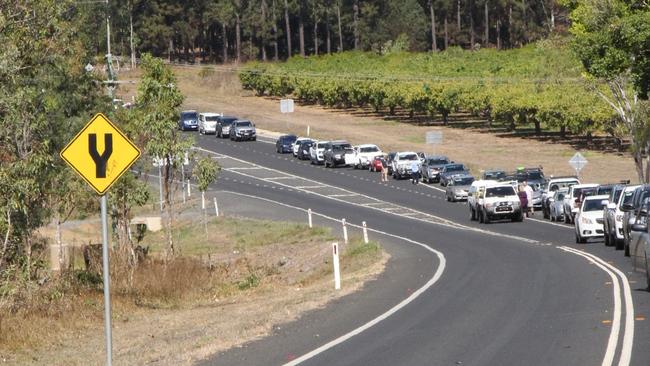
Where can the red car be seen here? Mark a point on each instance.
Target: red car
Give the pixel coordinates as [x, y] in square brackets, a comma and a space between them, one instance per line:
[376, 165]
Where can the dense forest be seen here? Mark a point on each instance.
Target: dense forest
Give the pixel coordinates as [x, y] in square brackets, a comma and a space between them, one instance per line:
[242, 30]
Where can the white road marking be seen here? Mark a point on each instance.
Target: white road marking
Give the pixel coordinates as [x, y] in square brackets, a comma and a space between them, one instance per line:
[628, 335]
[343, 195]
[310, 187]
[246, 168]
[274, 178]
[436, 276]
[433, 187]
[551, 223]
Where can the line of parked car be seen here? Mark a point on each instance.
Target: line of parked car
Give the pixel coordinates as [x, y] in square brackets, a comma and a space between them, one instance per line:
[217, 124]
[615, 212]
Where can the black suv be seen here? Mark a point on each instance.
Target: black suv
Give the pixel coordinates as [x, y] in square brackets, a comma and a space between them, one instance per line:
[334, 153]
[189, 120]
[223, 126]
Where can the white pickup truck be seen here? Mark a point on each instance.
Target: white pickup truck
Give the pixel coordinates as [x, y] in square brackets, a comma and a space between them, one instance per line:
[316, 152]
[402, 162]
[488, 201]
[363, 155]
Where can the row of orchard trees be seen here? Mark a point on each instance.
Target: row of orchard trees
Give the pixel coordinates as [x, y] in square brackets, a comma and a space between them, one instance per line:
[563, 106]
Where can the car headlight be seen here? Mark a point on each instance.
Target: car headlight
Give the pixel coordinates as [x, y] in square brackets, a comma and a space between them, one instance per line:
[586, 220]
[337, 156]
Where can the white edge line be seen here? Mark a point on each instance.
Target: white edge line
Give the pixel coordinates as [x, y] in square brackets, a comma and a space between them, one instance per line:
[628, 335]
[391, 311]
[551, 223]
[612, 342]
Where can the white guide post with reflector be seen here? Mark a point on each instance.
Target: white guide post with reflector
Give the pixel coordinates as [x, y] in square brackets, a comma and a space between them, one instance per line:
[309, 218]
[337, 270]
[345, 231]
[216, 207]
[365, 232]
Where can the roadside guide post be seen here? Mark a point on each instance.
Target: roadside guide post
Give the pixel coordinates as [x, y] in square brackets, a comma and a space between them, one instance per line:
[578, 162]
[433, 138]
[186, 161]
[159, 162]
[216, 207]
[100, 171]
[337, 270]
[309, 218]
[365, 232]
[345, 231]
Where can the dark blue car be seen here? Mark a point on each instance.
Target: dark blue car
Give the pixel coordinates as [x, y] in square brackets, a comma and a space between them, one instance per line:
[285, 144]
[189, 120]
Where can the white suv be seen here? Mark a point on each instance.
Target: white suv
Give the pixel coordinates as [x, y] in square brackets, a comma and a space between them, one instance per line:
[402, 164]
[316, 152]
[494, 202]
[363, 155]
[572, 200]
[208, 123]
[614, 217]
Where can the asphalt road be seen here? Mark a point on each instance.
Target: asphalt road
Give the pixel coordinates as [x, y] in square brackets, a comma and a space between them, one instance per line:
[510, 293]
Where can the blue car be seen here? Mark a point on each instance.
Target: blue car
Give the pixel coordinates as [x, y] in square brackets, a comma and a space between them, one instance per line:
[188, 121]
[285, 144]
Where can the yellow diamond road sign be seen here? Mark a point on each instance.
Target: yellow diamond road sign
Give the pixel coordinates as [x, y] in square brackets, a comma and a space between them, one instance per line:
[100, 153]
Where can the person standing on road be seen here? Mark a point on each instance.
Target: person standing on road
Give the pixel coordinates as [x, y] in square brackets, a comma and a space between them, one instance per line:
[384, 170]
[529, 197]
[415, 172]
[523, 198]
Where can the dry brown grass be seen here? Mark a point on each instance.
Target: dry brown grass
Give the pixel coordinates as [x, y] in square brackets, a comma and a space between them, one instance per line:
[478, 147]
[235, 286]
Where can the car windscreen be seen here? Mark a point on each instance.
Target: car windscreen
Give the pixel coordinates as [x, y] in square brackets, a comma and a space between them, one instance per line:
[593, 205]
[211, 118]
[287, 139]
[627, 198]
[437, 161]
[500, 191]
[189, 115]
[368, 149]
[454, 168]
[227, 121]
[494, 175]
[559, 185]
[603, 190]
[244, 124]
[306, 144]
[534, 175]
[341, 147]
[409, 157]
[465, 181]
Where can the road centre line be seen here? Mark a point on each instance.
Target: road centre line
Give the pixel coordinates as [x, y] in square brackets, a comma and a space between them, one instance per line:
[246, 168]
[628, 336]
[310, 187]
[436, 276]
[343, 195]
[273, 178]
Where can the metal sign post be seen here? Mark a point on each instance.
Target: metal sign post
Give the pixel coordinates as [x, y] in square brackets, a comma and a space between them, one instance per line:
[107, 283]
[101, 171]
[433, 138]
[578, 162]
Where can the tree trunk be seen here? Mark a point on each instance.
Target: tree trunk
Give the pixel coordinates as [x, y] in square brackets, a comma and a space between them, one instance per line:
[275, 33]
[301, 33]
[458, 28]
[510, 27]
[486, 35]
[315, 36]
[472, 37]
[446, 34]
[263, 30]
[524, 20]
[133, 63]
[238, 37]
[327, 31]
[338, 16]
[538, 127]
[498, 34]
[288, 27]
[225, 42]
[434, 44]
[355, 20]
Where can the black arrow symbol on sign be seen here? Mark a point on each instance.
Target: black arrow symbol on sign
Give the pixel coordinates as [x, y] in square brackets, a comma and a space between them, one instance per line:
[100, 160]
